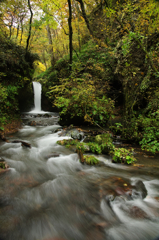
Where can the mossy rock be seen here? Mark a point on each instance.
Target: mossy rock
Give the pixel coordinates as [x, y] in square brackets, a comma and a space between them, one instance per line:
[68, 142]
[91, 160]
[103, 138]
[74, 142]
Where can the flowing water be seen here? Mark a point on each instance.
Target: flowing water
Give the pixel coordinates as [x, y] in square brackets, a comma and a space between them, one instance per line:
[47, 194]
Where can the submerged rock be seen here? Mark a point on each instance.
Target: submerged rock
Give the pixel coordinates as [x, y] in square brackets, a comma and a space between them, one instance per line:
[73, 133]
[52, 155]
[140, 190]
[113, 187]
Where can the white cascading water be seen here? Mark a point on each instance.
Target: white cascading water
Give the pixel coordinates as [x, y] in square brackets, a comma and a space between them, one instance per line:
[37, 97]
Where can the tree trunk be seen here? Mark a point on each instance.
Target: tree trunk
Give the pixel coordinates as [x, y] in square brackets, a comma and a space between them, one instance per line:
[79, 39]
[21, 25]
[80, 154]
[85, 16]
[43, 58]
[70, 32]
[17, 31]
[51, 50]
[30, 27]
[10, 28]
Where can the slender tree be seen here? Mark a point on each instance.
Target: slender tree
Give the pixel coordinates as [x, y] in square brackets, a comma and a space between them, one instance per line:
[70, 32]
[30, 27]
[85, 16]
[51, 45]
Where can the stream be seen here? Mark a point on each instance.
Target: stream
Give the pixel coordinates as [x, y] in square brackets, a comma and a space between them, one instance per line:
[47, 194]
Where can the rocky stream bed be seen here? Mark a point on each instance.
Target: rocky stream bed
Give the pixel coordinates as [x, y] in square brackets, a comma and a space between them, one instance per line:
[47, 194]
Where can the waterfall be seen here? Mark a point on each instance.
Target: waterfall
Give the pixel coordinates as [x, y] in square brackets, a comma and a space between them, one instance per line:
[37, 97]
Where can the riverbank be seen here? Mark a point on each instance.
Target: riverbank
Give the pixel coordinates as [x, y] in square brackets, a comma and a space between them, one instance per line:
[11, 127]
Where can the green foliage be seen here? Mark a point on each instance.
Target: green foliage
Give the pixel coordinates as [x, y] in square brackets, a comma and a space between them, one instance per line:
[143, 130]
[90, 160]
[83, 147]
[105, 142]
[102, 144]
[95, 148]
[122, 155]
[117, 129]
[8, 103]
[103, 138]
[150, 129]
[15, 63]
[2, 165]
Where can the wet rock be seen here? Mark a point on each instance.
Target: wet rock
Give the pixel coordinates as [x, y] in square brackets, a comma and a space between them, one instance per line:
[117, 188]
[95, 233]
[52, 155]
[24, 144]
[136, 212]
[55, 238]
[74, 133]
[32, 123]
[4, 139]
[139, 190]
[102, 225]
[114, 186]
[1, 159]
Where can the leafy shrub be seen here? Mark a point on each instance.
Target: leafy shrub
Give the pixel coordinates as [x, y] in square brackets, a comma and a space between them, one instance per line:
[8, 103]
[122, 155]
[95, 147]
[150, 138]
[82, 147]
[79, 99]
[15, 63]
[106, 143]
[108, 148]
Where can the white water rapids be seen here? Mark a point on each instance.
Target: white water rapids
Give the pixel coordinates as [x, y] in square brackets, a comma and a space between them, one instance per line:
[47, 194]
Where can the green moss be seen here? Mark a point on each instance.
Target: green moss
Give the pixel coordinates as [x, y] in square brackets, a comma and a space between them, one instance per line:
[90, 160]
[103, 144]
[67, 142]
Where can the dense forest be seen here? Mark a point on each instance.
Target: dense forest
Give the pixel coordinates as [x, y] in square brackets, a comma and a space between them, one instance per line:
[97, 60]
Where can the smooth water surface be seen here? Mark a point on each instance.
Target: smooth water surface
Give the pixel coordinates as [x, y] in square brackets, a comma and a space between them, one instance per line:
[47, 194]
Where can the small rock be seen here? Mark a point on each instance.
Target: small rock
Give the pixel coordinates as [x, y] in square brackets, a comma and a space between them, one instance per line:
[52, 155]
